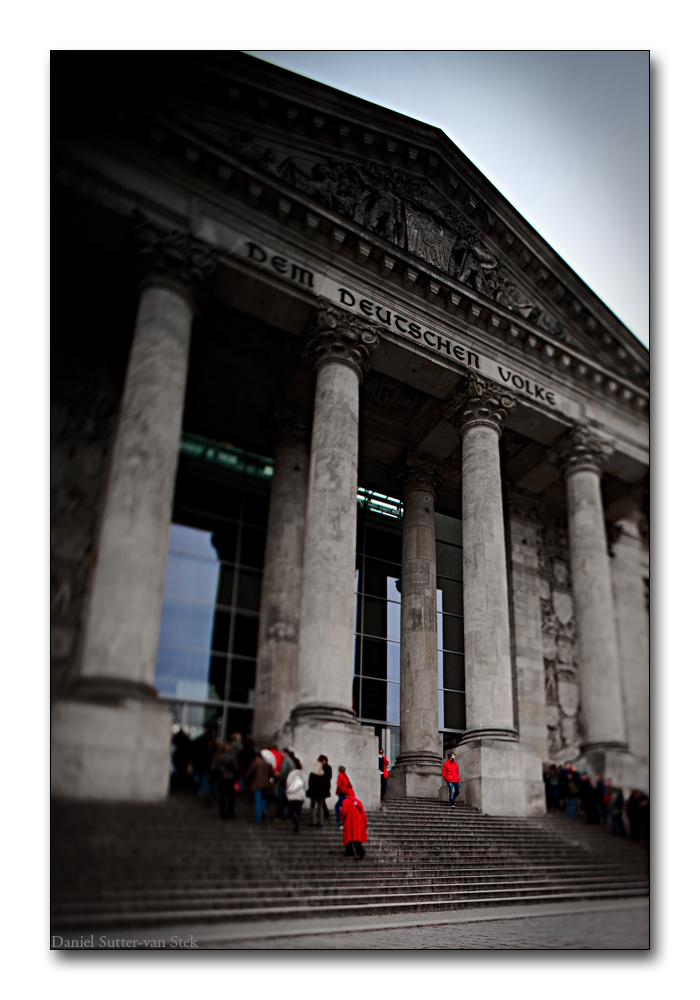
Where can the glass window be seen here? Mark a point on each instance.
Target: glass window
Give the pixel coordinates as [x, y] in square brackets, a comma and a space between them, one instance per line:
[209, 622]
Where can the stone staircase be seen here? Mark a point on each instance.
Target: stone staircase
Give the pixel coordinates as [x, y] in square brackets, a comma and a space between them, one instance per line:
[140, 865]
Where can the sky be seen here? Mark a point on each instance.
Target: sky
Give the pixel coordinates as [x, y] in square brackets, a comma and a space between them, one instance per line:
[563, 135]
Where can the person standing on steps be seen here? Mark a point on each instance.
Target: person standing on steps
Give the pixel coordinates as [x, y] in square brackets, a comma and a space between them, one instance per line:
[384, 768]
[328, 772]
[286, 766]
[354, 819]
[450, 772]
[294, 789]
[225, 773]
[343, 787]
[316, 791]
[259, 774]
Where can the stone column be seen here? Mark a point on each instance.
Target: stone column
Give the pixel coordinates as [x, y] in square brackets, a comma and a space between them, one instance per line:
[110, 736]
[280, 598]
[323, 720]
[629, 567]
[502, 777]
[418, 766]
[582, 453]
[525, 619]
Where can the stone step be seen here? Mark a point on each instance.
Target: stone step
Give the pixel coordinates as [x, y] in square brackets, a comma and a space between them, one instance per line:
[164, 917]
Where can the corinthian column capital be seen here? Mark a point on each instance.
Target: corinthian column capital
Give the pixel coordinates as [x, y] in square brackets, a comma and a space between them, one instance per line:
[415, 470]
[581, 449]
[479, 401]
[339, 336]
[172, 258]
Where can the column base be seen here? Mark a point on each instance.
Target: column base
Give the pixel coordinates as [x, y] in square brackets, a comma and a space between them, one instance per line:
[333, 730]
[501, 777]
[117, 750]
[416, 775]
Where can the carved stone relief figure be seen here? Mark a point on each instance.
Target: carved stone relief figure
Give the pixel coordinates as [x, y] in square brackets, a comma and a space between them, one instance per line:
[406, 211]
[428, 239]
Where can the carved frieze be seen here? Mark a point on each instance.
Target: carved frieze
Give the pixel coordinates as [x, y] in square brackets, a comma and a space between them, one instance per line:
[409, 212]
[522, 504]
[388, 394]
[336, 335]
[478, 401]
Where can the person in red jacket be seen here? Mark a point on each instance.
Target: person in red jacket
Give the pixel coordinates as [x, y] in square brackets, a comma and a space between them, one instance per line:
[450, 772]
[384, 768]
[343, 787]
[354, 820]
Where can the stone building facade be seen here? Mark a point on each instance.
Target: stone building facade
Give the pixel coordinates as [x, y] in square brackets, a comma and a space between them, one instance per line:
[343, 452]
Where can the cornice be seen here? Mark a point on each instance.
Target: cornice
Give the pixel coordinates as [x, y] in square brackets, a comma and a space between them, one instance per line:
[295, 211]
[365, 128]
[259, 196]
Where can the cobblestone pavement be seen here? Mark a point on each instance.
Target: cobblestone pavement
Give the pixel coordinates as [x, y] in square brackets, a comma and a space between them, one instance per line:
[588, 925]
[611, 929]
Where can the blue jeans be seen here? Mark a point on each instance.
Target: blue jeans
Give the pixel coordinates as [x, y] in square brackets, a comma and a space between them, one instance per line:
[570, 806]
[454, 790]
[260, 803]
[341, 799]
[281, 802]
[205, 788]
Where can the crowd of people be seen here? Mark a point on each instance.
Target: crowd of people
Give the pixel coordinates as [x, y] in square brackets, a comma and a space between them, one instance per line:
[223, 770]
[598, 799]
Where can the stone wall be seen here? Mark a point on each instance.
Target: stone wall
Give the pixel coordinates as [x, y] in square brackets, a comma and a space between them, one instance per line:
[562, 692]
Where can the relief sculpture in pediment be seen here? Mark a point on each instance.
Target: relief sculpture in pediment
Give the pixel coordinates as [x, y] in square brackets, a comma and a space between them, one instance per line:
[428, 239]
[407, 211]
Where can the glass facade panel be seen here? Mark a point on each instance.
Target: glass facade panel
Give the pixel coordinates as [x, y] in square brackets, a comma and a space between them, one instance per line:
[450, 621]
[209, 624]
[376, 687]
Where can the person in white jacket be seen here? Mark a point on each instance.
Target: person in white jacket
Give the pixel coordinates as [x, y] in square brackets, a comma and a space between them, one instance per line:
[295, 790]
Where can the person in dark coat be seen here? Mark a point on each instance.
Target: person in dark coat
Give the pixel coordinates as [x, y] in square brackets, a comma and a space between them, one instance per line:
[589, 800]
[563, 783]
[328, 772]
[354, 819]
[259, 774]
[203, 749]
[615, 805]
[245, 758]
[632, 809]
[182, 753]
[225, 773]
[316, 792]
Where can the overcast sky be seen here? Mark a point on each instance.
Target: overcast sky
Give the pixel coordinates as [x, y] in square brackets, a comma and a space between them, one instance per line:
[563, 135]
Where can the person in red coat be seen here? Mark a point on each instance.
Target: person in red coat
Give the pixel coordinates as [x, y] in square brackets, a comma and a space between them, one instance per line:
[384, 768]
[343, 787]
[450, 772]
[354, 820]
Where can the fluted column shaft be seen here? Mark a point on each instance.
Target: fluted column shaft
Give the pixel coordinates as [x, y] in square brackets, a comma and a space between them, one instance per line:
[340, 345]
[123, 617]
[280, 598]
[582, 453]
[479, 413]
[419, 646]
[110, 737]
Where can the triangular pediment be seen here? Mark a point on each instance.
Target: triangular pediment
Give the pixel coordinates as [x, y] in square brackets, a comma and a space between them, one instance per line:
[411, 197]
